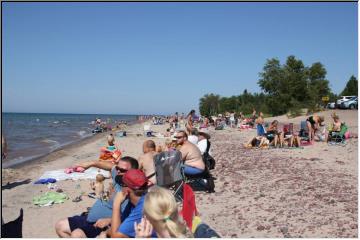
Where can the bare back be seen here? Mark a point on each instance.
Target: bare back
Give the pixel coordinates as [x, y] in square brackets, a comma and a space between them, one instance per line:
[192, 155]
[146, 164]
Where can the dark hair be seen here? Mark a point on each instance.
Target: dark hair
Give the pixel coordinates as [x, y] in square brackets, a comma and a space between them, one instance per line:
[191, 112]
[133, 162]
[194, 131]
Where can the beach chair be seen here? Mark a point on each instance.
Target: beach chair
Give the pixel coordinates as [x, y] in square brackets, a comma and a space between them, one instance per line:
[338, 138]
[147, 130]
[304, 132]
[260, 129]
[202, 180]
[169, 173]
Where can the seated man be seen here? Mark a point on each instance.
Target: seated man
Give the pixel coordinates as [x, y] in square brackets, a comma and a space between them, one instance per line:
[146, 161]
[191, 155]
[99, 216]
[135, 186]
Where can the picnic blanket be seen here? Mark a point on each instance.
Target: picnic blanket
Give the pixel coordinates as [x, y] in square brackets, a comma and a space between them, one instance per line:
[60, 175]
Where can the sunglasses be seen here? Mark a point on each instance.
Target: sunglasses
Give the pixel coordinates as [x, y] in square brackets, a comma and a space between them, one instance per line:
[122, 170]
[177, 137]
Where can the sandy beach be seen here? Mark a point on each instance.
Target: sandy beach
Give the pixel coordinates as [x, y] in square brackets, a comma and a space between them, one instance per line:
[309, 192]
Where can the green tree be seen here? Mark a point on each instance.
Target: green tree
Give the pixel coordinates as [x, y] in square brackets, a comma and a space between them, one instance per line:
[351, 87]
[209, 104]
[319, 86]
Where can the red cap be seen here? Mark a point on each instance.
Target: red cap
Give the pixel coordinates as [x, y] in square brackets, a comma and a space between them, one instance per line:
[135, 179]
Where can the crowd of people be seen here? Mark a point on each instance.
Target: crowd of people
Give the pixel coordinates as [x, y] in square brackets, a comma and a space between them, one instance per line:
[135, 206]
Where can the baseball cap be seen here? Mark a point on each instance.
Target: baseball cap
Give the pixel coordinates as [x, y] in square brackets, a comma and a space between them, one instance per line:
[135, 179]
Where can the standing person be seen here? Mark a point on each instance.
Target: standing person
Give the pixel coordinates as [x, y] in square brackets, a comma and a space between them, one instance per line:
[176, 120]
[3, 148]
[191, 155]
[313, 123]
[190, 120]
[232, 119]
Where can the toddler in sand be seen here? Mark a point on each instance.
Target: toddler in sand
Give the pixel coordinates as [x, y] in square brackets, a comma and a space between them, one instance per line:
[110, 152]
[98, 186]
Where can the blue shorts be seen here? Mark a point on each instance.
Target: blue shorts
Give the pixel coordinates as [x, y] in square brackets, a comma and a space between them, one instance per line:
[192, 170]
[87, 227]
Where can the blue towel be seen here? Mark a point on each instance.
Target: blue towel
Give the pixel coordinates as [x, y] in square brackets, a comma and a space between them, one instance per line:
[45, 181]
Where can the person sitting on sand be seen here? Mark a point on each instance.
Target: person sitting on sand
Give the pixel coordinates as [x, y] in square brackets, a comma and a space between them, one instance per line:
[203, 142]
[110, 152]
[135, 185]
[273, 135]
[191, 155]
[313, 122]
[161, 214]
[99, 216]
[193, 137]
[146, 160]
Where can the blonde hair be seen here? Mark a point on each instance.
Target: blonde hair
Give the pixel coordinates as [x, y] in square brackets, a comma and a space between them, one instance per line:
[161, 210]
[110, 139]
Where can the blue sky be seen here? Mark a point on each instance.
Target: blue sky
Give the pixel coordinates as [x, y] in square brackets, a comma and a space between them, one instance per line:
[162, 57]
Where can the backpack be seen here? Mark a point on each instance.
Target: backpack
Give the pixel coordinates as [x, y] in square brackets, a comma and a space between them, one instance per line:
[208, 159]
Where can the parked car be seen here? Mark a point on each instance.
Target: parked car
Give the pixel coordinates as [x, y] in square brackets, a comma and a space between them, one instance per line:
[343, 99]
[350, 104]
[330, 105]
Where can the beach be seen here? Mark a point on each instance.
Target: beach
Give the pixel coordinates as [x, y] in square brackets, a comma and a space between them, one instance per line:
[309, 192]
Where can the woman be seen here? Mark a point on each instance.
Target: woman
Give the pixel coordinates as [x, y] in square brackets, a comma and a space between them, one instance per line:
[162, 215]
[189, 121]
[273, 135]
[313, 123]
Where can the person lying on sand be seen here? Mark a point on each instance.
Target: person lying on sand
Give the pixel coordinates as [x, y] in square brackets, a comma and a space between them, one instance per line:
[146, 160]
[99, 216]
[191, 155]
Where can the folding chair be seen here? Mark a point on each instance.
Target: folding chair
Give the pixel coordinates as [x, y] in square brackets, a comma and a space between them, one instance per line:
[304, 131]
[338, 138]
[204, 180]
[169, 173]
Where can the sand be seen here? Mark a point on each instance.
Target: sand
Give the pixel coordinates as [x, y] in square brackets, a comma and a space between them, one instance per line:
[310, 192]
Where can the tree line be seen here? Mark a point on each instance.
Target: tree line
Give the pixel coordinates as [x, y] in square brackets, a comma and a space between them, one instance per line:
[285, 88]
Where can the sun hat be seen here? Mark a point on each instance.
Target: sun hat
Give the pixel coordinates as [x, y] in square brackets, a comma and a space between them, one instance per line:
[204, 132]
[135, 179]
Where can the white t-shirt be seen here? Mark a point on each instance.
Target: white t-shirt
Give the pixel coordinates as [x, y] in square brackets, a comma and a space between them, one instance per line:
[202, 145]
[193, 139]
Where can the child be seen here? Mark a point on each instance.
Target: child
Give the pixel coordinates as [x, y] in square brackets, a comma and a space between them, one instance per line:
[110, 152]
[98, 186]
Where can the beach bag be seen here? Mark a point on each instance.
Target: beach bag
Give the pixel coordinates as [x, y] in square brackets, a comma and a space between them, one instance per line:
[207, 158]
[12, 229]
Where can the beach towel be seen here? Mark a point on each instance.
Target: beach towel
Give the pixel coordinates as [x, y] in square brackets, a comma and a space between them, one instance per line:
[50, 198]
[189, 210]
[60, 175]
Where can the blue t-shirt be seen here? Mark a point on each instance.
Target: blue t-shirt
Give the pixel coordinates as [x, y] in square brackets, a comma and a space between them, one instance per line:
[130, 215]
[103, 209]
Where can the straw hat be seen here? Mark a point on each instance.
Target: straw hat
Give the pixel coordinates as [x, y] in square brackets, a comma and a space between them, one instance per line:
[204, 132]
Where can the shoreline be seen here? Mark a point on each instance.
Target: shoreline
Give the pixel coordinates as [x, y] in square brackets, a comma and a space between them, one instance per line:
[66, 147]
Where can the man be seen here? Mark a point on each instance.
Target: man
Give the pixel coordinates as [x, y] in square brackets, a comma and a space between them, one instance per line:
[99, 216]
[146, 161]
[191, 155]
[135, 186]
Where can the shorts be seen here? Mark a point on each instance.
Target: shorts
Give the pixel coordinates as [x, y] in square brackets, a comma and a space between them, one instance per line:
[87, 227]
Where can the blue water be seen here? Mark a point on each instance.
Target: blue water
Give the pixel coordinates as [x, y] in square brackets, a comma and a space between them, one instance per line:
[31, 135]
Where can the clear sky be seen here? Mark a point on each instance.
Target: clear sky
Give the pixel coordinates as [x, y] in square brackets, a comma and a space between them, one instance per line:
[137, 58]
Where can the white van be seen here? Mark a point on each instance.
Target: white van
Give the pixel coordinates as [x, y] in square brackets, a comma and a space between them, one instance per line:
[343, 99]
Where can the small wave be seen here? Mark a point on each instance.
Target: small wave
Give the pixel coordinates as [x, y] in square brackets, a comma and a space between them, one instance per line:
[82, 133]
[56, 122]
[49, 141]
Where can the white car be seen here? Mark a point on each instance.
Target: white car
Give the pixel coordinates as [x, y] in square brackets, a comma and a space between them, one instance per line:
[343, 99]
[330, 105]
